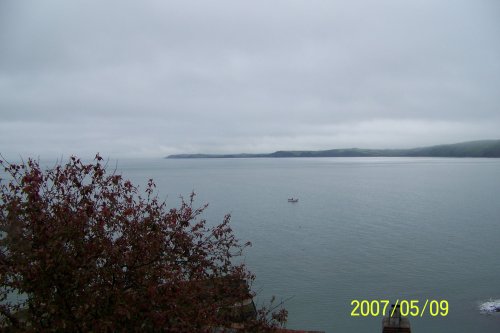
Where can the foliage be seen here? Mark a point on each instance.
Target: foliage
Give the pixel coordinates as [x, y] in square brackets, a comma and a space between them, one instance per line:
[87, 252]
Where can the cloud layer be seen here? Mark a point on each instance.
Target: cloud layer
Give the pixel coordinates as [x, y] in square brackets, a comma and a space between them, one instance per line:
[152, 78]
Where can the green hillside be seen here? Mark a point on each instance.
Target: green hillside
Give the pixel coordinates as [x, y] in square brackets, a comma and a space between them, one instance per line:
[483, 148]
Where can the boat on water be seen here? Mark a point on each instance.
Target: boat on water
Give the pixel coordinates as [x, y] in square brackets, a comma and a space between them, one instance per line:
[293, 199]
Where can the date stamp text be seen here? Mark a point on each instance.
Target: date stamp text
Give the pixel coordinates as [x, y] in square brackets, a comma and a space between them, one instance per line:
[407, 308]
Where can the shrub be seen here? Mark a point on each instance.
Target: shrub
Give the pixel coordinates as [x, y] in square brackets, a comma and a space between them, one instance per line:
[85, 251]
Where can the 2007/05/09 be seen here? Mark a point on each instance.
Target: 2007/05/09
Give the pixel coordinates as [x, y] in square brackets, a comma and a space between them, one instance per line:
[413, 308]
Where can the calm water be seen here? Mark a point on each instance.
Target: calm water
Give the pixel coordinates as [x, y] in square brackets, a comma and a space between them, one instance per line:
[364, 228]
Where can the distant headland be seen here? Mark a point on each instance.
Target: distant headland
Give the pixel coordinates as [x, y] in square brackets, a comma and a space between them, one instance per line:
[483, 148]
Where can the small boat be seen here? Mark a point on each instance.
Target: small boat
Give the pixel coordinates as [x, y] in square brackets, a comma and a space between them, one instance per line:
[293, 199]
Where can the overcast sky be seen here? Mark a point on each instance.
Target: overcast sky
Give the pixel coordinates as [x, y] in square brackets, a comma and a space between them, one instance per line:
[152, 78]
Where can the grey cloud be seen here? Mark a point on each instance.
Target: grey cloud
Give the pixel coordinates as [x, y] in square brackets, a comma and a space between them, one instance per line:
[153, 77]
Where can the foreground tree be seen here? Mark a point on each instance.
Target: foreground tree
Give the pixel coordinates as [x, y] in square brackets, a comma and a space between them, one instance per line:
[82, 250]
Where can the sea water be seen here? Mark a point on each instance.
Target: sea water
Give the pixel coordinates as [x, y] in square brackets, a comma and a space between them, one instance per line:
[363, 229]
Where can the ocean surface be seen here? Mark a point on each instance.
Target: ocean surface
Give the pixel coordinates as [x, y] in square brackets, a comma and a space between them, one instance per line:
[363, 229]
